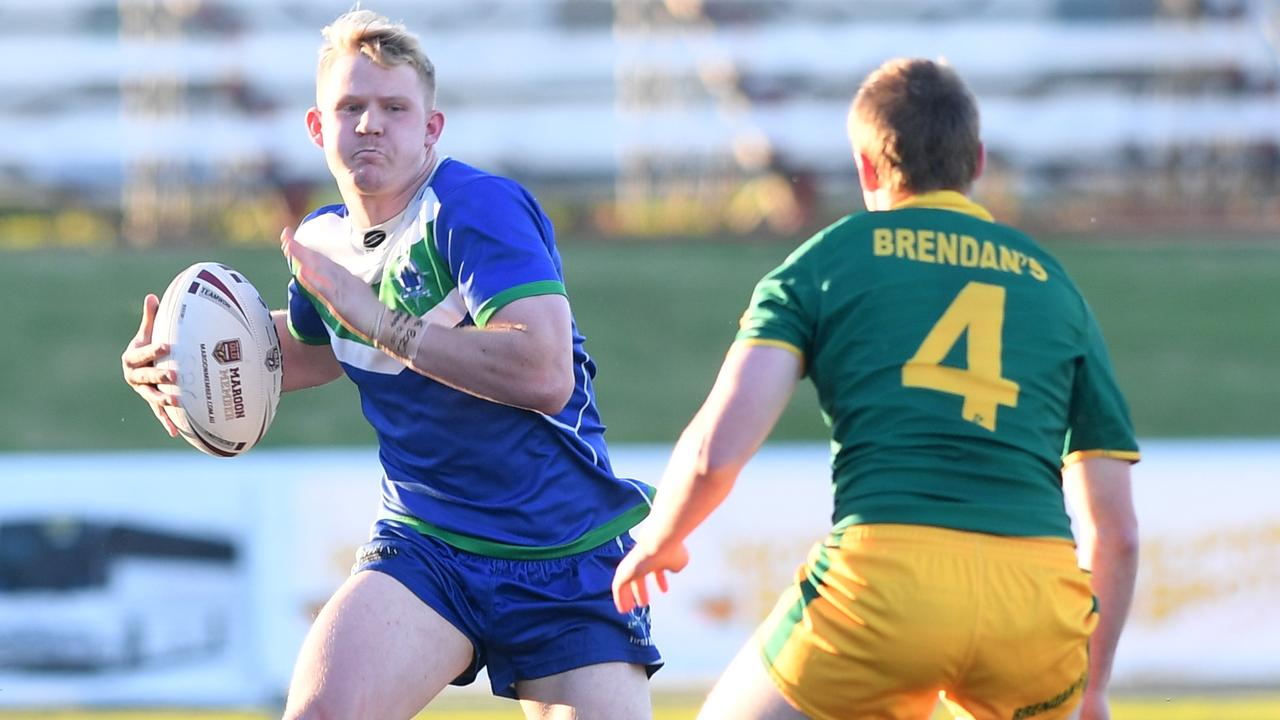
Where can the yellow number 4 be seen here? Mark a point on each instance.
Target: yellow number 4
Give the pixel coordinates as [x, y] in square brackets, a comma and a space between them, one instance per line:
[978, 309]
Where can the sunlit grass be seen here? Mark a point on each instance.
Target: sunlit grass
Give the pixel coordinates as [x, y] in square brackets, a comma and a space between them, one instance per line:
[1243, 706]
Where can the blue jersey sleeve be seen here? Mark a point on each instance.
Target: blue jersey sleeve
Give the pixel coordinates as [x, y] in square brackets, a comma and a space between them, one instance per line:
[305, 322]
[498, 245]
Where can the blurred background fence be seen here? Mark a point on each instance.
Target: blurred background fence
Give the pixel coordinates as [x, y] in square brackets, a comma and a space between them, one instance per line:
[683, 147]
[179, 122]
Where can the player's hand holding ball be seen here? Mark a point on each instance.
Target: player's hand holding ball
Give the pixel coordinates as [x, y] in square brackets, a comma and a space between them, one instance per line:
[207, 359]
[138, 362]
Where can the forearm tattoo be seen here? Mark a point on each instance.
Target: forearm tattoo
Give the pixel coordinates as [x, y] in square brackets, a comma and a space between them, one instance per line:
[398, 335]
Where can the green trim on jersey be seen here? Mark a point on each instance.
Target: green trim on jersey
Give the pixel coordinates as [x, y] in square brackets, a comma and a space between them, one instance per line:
[510, 295]
[330, 320]
[420, 261]
[304, 339]
[955, 361]
[489, 548]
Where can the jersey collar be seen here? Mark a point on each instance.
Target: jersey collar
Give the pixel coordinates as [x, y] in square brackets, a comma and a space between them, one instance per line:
[945, 200]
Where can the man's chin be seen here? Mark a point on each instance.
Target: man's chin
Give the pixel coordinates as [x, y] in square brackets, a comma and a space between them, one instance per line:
[368, 183]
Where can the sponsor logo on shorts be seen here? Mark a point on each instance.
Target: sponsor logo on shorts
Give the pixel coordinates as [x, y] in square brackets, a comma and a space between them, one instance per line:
[1053, 702]
[373, 553]
[227, 351]
[638, 627]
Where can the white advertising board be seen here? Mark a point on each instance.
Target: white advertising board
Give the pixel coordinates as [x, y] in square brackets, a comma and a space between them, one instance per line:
[122, 578]
[1208, 588]
[254, 546]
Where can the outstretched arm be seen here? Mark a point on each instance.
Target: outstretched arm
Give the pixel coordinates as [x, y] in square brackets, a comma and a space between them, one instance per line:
[752, 390]
[1099, 491]
[522, 357]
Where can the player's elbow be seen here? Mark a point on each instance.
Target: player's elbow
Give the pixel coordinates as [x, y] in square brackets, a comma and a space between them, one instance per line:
[713, 459]
[1116, 540]
[551, 392]
[1120, 539]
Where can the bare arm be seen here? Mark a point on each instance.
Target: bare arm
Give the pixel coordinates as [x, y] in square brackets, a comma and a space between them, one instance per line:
[523, 357]
[1099, 491]
[752, 390]
[305, 365]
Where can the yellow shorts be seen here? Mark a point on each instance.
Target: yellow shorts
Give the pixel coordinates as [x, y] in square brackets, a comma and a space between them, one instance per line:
[883, 620]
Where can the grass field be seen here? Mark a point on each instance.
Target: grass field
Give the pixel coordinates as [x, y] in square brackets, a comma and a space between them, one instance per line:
[1181, 707]
[1191, 325]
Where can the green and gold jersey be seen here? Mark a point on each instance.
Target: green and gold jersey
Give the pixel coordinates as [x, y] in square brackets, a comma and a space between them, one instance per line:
[955, 362]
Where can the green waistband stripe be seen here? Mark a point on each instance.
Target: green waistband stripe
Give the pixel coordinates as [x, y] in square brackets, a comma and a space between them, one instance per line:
[489, 548]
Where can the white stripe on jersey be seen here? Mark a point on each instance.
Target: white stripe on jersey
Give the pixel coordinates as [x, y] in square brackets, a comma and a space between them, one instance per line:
[335, 237]
[595, 458]
[448, 312]
[369, 359]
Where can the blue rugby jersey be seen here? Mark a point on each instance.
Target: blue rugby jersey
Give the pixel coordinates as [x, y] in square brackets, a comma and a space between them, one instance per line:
[484, 477]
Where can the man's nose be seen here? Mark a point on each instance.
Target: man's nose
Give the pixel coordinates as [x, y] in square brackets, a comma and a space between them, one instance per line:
[369, 123]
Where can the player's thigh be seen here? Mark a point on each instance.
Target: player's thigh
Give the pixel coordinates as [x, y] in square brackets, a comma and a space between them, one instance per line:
[605, 691]
[375, 651]
[1035, 626]
[878, 620]
[746, 692]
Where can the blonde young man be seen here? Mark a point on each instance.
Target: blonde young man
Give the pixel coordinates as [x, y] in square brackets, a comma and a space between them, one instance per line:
[437, 288]
[967, 386]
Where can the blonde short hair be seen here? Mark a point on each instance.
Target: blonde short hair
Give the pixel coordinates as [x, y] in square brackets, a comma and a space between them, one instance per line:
[917, 123]
[387, 43]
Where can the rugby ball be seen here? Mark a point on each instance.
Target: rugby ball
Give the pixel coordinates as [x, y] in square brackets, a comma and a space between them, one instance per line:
[225, 349]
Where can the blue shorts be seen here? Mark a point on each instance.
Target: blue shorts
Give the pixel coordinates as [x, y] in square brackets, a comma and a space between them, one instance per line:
[526, 619]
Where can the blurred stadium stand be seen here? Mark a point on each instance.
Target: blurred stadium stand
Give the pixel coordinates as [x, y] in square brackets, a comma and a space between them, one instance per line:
[149, 119]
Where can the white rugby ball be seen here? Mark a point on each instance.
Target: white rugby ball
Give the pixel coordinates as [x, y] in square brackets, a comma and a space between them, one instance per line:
[225, 349]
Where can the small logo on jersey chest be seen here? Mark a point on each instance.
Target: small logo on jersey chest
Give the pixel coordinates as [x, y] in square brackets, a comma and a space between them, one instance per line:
[374, 238]
[412, 282]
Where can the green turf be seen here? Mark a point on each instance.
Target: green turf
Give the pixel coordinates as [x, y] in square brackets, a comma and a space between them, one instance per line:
[1191, 324]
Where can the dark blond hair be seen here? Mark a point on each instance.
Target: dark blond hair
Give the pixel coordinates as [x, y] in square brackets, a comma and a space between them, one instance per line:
[387, 43]
[917, 123]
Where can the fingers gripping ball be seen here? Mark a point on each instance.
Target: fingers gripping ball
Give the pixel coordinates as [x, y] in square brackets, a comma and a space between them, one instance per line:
[227, 358]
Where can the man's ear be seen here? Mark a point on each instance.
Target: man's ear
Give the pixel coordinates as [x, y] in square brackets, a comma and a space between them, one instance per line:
[867, 175]
[435, 127]
[313, 127]
[981, 165]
